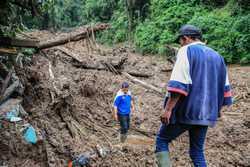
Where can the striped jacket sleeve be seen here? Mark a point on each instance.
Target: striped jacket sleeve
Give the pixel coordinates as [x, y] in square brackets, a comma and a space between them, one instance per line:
[180, 80]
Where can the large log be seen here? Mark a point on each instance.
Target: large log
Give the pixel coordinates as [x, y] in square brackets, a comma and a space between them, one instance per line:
[74, 36]
[27, 43]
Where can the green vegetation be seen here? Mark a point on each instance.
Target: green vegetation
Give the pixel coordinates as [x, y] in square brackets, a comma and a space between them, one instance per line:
[148, 24]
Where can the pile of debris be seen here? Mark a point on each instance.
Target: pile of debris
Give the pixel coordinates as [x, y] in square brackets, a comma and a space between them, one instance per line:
[67, 96]
[15, 127]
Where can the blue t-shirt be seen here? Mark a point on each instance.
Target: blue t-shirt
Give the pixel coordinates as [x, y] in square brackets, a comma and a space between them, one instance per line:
[200, 74]
[122, 102]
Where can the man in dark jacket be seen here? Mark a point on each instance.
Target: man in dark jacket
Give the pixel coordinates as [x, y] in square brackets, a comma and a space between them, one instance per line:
[197, 90]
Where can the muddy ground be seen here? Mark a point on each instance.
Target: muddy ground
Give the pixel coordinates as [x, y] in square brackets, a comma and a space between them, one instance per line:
[71, 109]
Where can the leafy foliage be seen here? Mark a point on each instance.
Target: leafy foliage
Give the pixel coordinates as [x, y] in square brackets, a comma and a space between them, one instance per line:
[228, 36]
[224, 31]
[161, 28]
[99, 10]
[8, 19]
[118, 31]
[242, 25]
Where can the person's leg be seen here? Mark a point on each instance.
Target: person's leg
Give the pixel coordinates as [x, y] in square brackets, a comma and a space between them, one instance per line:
[122, 120]
[166, 134]
[124, 127]
[197, 136]
[128, 122]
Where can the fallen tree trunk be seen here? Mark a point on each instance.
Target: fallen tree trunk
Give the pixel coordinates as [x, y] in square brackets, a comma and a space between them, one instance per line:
[6, 41]
[27, 43]
[144, 84]
[72, 37]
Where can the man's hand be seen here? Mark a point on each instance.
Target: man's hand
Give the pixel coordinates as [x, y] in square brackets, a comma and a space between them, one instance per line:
[172, 100]
[115, 117]
[115, 114]
[132, 107]
[165, 117]
[133, 110]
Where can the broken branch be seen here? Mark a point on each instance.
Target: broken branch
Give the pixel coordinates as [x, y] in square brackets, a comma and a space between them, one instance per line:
[142, 83]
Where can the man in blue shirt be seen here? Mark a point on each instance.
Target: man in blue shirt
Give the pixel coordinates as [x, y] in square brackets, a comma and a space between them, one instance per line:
[123, 106]
[197, 90]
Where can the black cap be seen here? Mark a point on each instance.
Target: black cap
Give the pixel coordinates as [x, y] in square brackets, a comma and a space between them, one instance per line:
[189, 30]
[125, 85]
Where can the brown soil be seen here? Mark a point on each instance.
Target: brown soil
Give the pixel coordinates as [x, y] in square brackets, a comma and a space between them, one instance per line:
[71, 110]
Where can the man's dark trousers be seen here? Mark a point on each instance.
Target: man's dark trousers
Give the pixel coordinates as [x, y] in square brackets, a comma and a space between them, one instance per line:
[197, 136]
